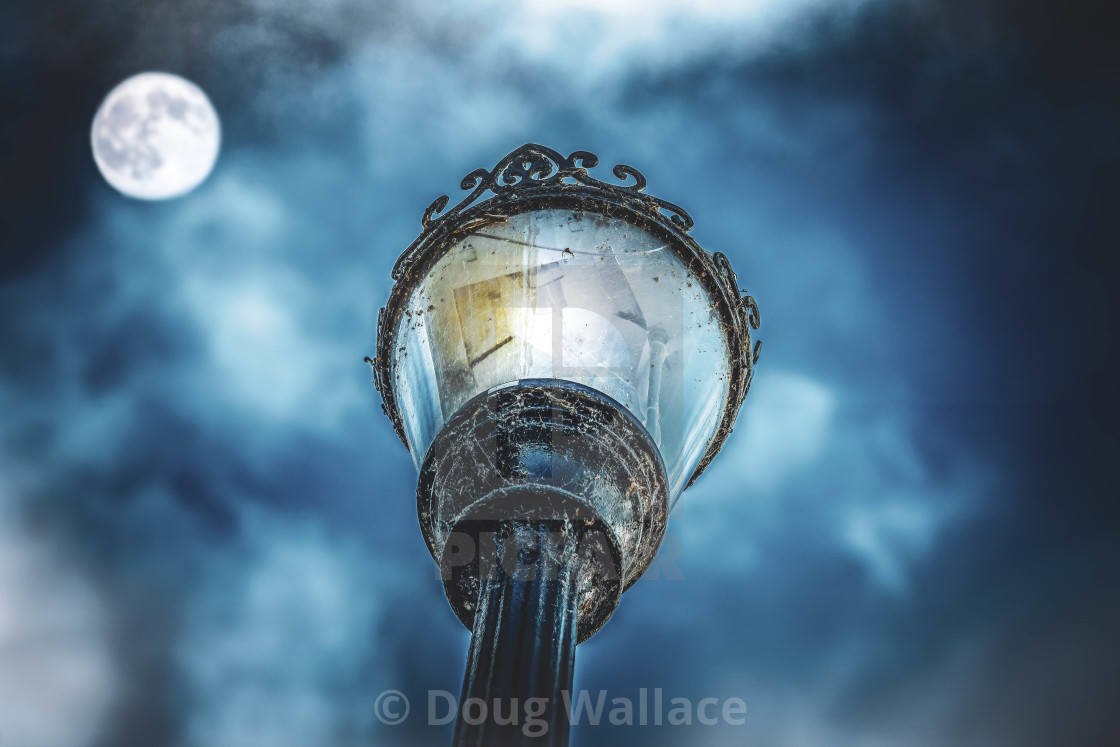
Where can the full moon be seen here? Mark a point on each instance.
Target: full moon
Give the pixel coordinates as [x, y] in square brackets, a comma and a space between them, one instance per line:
[155, 136]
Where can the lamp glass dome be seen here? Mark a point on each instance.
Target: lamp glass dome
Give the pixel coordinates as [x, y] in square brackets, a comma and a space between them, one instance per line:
[573, 295]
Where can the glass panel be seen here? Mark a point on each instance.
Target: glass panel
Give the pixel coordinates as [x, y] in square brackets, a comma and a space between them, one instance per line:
[567, 295]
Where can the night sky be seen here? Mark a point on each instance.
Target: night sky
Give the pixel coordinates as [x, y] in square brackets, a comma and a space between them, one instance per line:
[208, 529]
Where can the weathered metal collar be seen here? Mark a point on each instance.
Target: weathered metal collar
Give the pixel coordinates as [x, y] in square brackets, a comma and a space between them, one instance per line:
[535, 177]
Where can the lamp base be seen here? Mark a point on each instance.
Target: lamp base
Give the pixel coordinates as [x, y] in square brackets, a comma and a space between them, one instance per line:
[553, 451]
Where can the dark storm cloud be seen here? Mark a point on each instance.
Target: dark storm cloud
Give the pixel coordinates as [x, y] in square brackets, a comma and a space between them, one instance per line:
[922, 196]
[985, 207]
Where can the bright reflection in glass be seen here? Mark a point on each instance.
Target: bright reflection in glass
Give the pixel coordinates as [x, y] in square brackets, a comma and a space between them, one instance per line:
[566, 295]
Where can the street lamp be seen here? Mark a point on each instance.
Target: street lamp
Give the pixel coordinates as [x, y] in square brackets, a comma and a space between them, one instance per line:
[562, 360]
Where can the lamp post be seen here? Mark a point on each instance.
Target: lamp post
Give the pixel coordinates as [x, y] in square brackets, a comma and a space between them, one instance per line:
[562, 360]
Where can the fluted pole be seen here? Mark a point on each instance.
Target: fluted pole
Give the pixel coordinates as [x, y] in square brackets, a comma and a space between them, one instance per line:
[523, 641]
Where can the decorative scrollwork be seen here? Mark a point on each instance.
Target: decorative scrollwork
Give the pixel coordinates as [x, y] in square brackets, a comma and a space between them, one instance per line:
[753, 316]
[534, 165]
[723, 264]
[622, 171]
[755, 320]
[747, 310]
